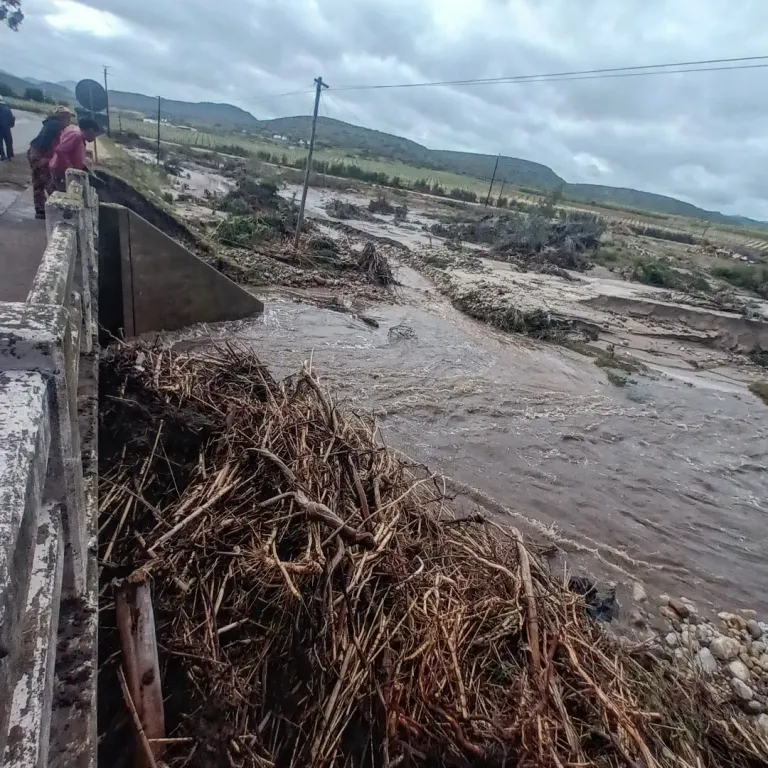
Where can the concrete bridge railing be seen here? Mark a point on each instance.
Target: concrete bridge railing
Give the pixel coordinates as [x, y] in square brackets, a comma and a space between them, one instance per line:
[48, 578]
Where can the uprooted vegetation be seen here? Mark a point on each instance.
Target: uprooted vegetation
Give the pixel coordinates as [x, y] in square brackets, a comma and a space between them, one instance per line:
[376, 266]
[256, 213]
[534, 241]
[760, 388]
[317, 603]
[492, 304]
[663, 275]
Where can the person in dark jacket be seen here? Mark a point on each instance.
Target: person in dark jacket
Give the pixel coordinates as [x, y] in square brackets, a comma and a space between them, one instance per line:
[41, 150]
[7, 121]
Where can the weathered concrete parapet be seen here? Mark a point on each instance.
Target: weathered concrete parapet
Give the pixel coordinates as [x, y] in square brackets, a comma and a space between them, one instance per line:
[68, 209]
[38, 337]
[48, 505]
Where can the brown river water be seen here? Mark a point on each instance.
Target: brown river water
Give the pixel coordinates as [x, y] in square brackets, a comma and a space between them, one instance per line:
[659, 481]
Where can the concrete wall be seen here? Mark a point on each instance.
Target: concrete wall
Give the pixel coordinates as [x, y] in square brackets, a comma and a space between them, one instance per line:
[48, 507]
[151, 283]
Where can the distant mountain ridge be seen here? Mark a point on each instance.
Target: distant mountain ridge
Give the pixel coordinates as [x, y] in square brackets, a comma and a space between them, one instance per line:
[337, 134]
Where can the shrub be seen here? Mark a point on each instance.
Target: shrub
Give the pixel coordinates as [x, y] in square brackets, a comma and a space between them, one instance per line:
[464, 195]
[34, 94]
[760, 388]
[380, 204]
[748, 277]
[662, 275]
[232, 149]
[6, 91]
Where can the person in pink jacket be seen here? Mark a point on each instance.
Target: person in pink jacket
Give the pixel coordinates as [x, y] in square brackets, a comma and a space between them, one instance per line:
[70, 151]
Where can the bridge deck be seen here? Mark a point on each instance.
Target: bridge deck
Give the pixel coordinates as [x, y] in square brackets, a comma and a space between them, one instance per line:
[22, 237]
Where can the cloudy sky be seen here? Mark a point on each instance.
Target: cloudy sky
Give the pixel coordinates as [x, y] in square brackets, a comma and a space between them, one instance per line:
[700, 137]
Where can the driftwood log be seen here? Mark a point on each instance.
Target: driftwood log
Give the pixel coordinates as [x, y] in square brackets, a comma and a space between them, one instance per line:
[136, 625]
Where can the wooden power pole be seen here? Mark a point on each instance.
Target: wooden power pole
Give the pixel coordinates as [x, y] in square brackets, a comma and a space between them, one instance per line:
[158, 130]
[493, 178]
[106, 90]
[320, 85]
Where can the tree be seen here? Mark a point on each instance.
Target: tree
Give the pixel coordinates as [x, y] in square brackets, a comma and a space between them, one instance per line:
[34, 94]
[6, 91]
[10, 13]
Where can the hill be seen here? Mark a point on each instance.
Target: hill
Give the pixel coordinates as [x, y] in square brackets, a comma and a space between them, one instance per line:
[204, 113]
[512, 170]
[337, 134]
[52, 90]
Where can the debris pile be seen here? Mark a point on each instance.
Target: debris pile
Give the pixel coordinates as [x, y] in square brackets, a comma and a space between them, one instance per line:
[376, 266]
[380, 204]
[492, 304]
[341, 209]
[318, 604]
[531, 240]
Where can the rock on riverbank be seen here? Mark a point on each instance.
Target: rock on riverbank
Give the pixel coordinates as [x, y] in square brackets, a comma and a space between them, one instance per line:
[730, 651]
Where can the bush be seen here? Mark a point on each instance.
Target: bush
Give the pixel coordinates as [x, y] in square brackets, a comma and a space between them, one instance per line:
[34, 94]
[6, 91]
[232, 149]
[748, 277]
[464, 195]
[610, 254]
[380, 204]
[243, 231]
[168, 197]
[662, 234]
[760, 388]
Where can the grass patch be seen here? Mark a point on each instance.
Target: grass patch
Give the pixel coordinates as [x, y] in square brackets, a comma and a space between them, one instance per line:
[760, 388]
[748, 277]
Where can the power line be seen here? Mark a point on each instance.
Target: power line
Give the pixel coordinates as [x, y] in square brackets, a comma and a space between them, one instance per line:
[279, 96]
[585, 74]
[351, 113]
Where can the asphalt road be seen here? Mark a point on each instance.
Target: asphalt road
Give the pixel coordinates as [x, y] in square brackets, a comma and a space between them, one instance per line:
[22, 238]
[28, 125]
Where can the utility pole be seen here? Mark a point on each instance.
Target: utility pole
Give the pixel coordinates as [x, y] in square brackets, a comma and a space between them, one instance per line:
[503, 182]
[320, 85]
[106, 90]
[158, 130]
[493, 178]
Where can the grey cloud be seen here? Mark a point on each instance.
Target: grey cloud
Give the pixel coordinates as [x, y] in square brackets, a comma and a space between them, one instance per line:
[699, 137]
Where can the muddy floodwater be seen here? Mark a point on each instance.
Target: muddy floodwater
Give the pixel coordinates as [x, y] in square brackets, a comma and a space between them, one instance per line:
[664, 480]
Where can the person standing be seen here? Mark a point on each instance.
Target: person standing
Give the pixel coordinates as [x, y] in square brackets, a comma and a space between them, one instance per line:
[40, 152]
[7, 122]
[70, 151]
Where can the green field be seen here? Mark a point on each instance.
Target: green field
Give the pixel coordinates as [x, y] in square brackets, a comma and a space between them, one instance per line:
[211, 140]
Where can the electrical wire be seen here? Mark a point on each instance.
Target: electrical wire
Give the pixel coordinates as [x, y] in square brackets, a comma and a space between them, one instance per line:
[278, 96]
[338, 105]
[586, 74]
